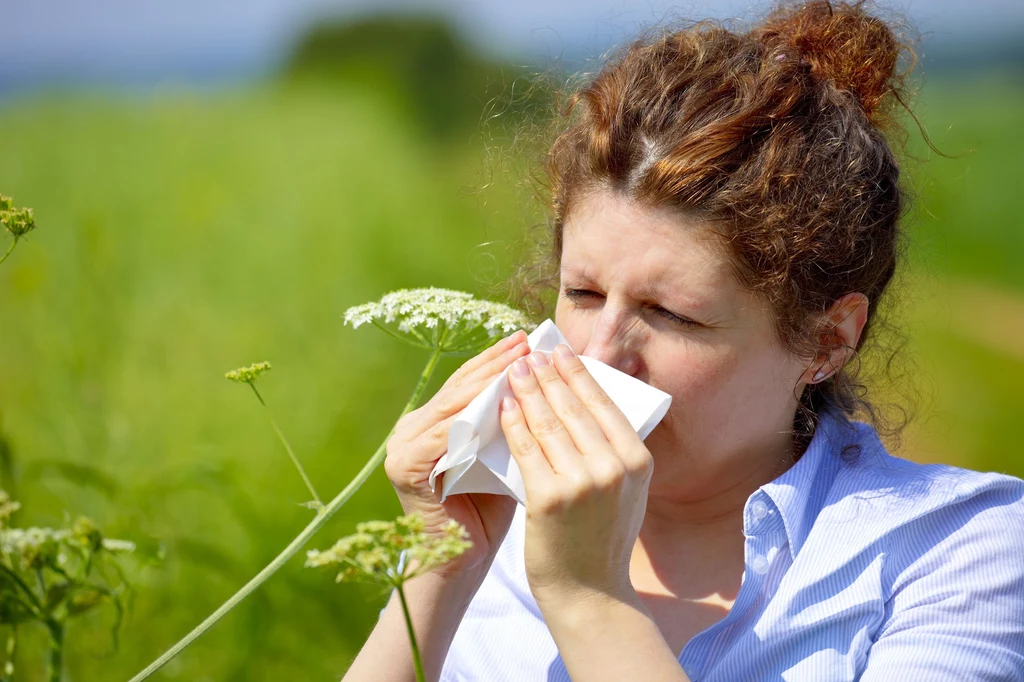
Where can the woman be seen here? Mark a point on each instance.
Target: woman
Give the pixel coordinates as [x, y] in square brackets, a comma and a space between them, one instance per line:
[725, 212]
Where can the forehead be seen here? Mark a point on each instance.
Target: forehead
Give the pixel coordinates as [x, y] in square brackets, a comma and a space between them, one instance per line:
[664, 251]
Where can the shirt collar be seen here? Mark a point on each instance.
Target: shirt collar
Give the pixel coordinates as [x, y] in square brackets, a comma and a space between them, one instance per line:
[800, 492]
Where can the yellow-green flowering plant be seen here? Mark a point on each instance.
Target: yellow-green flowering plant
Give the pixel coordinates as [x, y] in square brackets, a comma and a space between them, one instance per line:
[442, 322]
[49, 576]
[17, 221]
[389, 553]
[249, 375]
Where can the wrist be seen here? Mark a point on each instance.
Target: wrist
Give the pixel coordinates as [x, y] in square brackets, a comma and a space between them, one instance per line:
[451, 591]
[611, 636]
[586, 599]
[584, 595]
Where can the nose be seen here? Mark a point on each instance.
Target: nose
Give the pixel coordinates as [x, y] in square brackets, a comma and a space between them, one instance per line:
[613, 341]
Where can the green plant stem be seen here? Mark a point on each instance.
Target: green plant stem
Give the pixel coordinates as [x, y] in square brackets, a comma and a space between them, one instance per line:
[420, 677]
[291, 453]
[13, 244]
[11, 649]
[56, 650]
[301, 539]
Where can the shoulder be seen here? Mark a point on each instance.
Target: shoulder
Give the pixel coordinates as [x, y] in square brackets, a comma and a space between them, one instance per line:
[922, 514]
[874, 480]
[951, 547]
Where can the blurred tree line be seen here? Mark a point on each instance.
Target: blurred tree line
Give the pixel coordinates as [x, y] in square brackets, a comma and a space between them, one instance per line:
[422, 65]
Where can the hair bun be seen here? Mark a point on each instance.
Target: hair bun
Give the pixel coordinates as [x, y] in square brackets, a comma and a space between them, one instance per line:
[842, 43]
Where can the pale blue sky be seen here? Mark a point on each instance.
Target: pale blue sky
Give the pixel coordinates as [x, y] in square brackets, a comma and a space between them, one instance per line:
[145, 39]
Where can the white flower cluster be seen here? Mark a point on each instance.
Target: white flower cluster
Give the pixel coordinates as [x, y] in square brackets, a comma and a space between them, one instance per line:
[36, 547]
[453, 321]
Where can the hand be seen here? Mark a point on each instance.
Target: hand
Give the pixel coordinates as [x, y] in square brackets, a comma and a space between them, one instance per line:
[586, 473]
[421, 438]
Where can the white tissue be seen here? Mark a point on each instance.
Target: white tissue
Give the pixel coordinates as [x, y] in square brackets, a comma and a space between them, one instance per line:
[478, 459]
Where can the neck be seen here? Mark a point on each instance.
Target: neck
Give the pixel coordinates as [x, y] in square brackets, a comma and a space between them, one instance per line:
[677, 515]
[691, 541]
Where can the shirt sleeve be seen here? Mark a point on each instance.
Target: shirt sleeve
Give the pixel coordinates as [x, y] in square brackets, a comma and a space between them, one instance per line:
[956, 613]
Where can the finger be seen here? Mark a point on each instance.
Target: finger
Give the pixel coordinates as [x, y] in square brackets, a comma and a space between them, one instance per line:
[430, 445]
[526, 451]
[488, 355]
[580, 423]
[616, 428]
[457, 393]
[544, 425]
[409, 465]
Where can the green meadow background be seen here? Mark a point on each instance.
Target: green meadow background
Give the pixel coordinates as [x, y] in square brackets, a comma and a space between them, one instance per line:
[182, 235]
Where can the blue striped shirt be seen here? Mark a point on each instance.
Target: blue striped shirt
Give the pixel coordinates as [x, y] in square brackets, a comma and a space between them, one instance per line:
[869, 569]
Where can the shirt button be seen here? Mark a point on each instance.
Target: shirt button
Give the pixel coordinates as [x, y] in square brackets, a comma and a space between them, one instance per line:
[760, 565]
[760, 510]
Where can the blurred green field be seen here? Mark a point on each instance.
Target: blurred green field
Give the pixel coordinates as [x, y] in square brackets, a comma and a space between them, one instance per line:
[181, 236]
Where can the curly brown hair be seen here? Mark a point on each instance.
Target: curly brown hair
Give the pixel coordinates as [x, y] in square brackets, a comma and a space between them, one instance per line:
[782, 137]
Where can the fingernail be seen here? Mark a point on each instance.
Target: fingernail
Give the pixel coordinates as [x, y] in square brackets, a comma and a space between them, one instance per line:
[563, 351]
[538, 359]
[507, 403]
[819, 376]
[520, 368]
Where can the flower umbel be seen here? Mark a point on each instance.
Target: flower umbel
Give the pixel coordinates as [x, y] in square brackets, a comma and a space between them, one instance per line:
[248, 375]
[43, 547]
[391, 552]
[18, 221]
[453, 322]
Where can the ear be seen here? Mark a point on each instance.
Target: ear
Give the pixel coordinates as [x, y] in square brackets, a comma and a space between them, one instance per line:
[841, 327]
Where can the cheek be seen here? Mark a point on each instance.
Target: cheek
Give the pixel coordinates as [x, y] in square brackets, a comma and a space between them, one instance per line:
[698, 376]
[571, 324]
[727, 390]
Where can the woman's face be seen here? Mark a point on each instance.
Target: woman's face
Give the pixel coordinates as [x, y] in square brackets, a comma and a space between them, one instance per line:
[731, 383]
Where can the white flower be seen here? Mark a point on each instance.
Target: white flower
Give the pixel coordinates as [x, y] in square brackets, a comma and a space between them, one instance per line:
[452, 321]
[36, 547]
[112, 545]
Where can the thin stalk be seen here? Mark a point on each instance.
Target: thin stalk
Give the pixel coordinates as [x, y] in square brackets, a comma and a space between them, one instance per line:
[56, 650]
[301, 539]
[13, 244]
[41, 584]
[420, 677]
[291, 453]
[12, 646]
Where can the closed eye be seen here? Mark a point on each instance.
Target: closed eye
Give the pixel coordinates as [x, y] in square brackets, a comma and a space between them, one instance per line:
[575, 295]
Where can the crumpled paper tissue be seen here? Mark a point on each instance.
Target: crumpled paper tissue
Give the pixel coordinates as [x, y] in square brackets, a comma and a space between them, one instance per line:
[478, 459]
